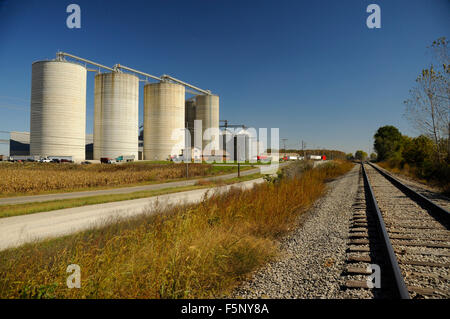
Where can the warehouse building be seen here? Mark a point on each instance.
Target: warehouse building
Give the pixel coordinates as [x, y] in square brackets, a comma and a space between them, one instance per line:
[58, 114]
[19, 145]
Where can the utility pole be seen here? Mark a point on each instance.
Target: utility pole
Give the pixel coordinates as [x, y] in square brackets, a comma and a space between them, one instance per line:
[284, 146]
[303, 149]
[239, 169]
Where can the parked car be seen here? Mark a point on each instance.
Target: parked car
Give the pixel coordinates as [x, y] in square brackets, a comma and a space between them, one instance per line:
[104, 160]
[112, 161]
[45, 160]
[55, 160]
[86, 162]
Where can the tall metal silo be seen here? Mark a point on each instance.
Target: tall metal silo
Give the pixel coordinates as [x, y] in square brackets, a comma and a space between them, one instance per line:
[116, 112]
[58, 109]
[242, 145]
[189, 115]
[227, 144]
[164, 113]
[207, 110]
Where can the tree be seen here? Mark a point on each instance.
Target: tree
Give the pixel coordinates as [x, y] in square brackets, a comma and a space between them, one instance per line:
[360, 155]
[418, 150]
[429, 104]
[388, 143]
[349, 156]
[373, 156]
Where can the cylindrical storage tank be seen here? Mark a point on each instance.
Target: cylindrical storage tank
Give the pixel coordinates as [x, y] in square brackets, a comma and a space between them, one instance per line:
[58, 109]
[226, 144]
[207, 110]
[189, 114]
[243, 145]
[164, 121]
[116, 111]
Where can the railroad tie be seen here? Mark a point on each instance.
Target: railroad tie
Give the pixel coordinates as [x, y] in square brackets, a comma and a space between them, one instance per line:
[359, 258]
[356, 284]
[358, 270]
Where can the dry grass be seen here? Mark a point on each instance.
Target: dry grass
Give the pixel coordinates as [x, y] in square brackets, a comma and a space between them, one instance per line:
[37, 207]
[406, 171]
[34, 178]
[439, 184]
[196, 251]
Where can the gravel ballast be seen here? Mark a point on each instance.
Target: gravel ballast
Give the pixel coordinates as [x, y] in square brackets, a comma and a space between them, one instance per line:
[313, 256]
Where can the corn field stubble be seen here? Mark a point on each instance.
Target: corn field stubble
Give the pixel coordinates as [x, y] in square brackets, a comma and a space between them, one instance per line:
[35, 178]
[196, 251]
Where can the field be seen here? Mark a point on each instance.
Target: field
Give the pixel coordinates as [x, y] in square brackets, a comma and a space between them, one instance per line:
[31, 208]
[196, 251]
[36, 178]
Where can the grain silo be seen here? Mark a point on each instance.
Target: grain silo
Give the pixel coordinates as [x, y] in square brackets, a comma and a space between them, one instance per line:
[227, 144]
[189, 115]
[247, 144]
[207, 110]
[116, 111]
[58, 109]
[164, 104]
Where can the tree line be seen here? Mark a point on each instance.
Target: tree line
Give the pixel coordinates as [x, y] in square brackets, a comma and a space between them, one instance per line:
[426, 156]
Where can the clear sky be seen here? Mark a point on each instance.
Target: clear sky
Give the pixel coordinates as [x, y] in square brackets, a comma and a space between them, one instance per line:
[311, 68]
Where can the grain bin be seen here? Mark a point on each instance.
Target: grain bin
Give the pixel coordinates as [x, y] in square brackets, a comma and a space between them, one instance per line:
[247, 144]
[116, 111]
[189, 115]
[227, 143]
[58, 109]
[207, 110]
[164, 113]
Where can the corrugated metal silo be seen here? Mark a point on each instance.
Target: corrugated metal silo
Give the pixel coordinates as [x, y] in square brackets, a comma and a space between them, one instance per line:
[58, 109]
[189, 115]
[207, 110]
[243, 145]
[164, 113]
[226, 143]
[116, 111]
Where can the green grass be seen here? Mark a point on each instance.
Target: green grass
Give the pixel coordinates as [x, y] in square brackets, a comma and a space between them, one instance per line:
[37, 207]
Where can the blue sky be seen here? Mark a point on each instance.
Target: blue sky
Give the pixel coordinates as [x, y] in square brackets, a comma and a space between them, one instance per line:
[311, 68]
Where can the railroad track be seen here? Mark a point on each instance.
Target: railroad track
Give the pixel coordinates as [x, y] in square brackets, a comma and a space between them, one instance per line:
[399, 235]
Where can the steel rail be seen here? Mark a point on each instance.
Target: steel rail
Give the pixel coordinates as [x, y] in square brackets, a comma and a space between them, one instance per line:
[400, 285]
[434, 208]
[60, 54]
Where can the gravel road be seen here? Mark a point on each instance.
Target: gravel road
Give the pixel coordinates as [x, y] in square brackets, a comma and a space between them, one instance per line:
[17, 230]
[313, 256]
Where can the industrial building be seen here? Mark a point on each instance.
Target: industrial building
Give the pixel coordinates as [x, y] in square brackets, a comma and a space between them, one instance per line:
[58, 115]
[58, 112]
[164, 120]
[116, 110]
[19, 144]
[58, 109]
